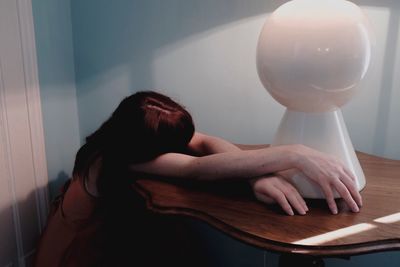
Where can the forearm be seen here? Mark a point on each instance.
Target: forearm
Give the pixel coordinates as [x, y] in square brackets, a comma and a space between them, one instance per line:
[207, 145]
[323, 169]
[219, 159]
[238, 164]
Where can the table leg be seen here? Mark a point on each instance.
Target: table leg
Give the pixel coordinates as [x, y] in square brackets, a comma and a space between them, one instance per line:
[289, 260]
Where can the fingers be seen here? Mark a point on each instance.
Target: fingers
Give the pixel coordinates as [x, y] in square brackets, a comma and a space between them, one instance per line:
[293, 197]
[289, 198]
[296, 203]
[282, 192]
[302, 201]
[327, 190]
[351, 186]
[283, 202]
[345, 194]
[346, 187]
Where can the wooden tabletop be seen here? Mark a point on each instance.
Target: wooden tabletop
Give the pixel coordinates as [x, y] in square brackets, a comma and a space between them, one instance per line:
[232, 208]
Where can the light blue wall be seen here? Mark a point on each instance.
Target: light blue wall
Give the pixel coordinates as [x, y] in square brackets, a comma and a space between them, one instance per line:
[53, 30]
[187, 49]
[202, 53]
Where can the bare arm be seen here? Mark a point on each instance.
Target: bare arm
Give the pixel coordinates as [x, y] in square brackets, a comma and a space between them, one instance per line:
[327, 171]
[226, 165]
[268, 188]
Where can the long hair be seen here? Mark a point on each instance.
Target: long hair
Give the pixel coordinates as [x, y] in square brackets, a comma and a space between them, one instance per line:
[144, 126]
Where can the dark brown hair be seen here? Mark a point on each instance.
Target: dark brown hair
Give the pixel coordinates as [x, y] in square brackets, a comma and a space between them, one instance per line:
[144, 126]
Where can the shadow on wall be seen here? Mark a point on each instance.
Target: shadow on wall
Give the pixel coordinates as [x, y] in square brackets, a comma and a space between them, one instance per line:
[12, 249]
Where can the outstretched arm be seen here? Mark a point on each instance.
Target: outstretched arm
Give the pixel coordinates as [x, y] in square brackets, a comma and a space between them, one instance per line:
[325, 170]
[268, 188]
[233, 164]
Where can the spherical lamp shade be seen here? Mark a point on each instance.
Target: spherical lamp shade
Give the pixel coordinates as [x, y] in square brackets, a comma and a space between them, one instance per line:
[312, 53]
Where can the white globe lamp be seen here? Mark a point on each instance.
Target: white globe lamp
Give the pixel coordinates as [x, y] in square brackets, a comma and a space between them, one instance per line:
[310, 56]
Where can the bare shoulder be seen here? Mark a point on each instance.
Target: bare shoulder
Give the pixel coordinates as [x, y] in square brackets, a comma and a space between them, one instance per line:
[196, 144]
[197, 138]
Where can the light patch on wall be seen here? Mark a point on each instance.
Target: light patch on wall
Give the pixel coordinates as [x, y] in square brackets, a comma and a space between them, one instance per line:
[393, 131]
[366, 101]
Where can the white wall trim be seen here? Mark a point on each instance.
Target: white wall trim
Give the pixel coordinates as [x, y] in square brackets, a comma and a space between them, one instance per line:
[4, 134]
[27, 31]
[22, 142]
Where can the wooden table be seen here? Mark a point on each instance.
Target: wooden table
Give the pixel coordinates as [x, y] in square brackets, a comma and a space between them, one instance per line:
[231, 208]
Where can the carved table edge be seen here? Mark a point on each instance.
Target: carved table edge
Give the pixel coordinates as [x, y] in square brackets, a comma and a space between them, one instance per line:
[267, 244]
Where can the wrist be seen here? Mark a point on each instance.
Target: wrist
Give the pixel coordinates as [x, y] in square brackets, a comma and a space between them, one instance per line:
[294, 155]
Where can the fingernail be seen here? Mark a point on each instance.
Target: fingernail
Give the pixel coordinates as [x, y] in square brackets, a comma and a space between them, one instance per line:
[291, 213]
[334, 211]
[356, 209]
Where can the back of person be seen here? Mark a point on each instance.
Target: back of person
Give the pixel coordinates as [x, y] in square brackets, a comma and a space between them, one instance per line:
[125, 234]
[71, 235]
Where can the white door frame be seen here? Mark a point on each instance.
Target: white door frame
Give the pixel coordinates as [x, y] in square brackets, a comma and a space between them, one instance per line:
[21, 100]
[34, 104]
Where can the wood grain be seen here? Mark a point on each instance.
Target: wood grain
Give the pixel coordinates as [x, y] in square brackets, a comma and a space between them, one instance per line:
[231, 208]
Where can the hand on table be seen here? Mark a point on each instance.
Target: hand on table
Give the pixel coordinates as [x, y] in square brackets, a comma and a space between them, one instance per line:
[330, 174]
[275, 189]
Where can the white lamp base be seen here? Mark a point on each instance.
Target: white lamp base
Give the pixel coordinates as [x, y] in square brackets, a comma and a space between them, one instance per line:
[325, 132]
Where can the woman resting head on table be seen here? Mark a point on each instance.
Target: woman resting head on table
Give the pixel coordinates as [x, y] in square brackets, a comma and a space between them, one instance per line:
[150, 133]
